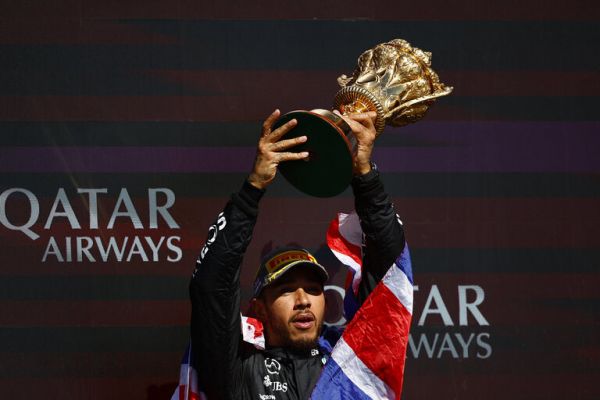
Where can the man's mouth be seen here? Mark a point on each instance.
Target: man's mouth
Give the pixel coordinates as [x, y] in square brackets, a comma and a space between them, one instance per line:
[304, 321]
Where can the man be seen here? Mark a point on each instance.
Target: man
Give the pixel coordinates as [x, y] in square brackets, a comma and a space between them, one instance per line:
[288, 291]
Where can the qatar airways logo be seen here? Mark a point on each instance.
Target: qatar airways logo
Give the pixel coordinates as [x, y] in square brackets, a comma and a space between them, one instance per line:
[438, 333]
[70, 246]
[452, 325]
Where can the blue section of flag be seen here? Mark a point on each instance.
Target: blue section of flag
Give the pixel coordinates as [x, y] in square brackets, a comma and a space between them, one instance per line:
[403, 262]
[335, 385]
[350, 303]
[329, 337]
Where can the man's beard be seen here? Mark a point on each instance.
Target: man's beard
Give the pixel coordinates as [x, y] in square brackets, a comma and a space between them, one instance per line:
[304, 344]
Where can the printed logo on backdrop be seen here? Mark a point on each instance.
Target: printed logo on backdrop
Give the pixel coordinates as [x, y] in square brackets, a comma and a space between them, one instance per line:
[89, 238]
[461, 335]
[439, 333]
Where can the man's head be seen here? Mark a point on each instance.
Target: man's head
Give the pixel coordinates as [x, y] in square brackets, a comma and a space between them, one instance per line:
[289, 298]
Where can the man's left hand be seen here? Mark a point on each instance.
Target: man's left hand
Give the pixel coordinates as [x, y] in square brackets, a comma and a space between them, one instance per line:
[363, 127]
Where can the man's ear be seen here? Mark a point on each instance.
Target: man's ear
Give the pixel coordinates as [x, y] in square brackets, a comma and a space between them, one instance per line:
[258, 308]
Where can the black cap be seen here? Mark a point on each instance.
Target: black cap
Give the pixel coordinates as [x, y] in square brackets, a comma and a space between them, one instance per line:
[279, 261]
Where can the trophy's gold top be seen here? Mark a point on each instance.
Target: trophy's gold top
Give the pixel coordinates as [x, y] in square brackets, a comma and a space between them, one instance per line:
[393, 79]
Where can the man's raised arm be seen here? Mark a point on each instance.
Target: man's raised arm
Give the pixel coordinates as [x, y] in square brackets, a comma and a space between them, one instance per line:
[215, 294]
[383, 233]
[215, 284]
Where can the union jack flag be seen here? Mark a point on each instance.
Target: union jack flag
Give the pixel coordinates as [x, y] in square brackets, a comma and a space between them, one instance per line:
[368, 360]
[188, 379]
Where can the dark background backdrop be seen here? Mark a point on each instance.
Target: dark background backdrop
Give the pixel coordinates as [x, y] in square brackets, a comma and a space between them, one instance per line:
[498, 187]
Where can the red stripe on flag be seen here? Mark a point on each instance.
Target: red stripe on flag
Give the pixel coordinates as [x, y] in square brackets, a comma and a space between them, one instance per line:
[337, 242]
[378, 334]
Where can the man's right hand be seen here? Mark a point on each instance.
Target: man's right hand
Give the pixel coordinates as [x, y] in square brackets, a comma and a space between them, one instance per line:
[271, 151]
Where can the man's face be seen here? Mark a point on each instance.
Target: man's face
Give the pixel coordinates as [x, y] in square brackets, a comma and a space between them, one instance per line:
[292, 309]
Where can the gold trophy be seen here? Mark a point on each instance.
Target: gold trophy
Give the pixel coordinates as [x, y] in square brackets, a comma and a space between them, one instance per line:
[393, 79]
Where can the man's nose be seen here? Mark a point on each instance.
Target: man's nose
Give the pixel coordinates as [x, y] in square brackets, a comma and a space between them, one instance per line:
[302, 300]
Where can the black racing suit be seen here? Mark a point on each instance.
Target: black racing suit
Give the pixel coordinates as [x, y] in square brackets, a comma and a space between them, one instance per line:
[227, 367]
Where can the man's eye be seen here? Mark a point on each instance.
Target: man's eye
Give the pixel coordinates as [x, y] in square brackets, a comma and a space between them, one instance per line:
[316, 290]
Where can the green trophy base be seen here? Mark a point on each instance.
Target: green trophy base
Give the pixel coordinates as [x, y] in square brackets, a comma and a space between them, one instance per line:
[330, 145]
